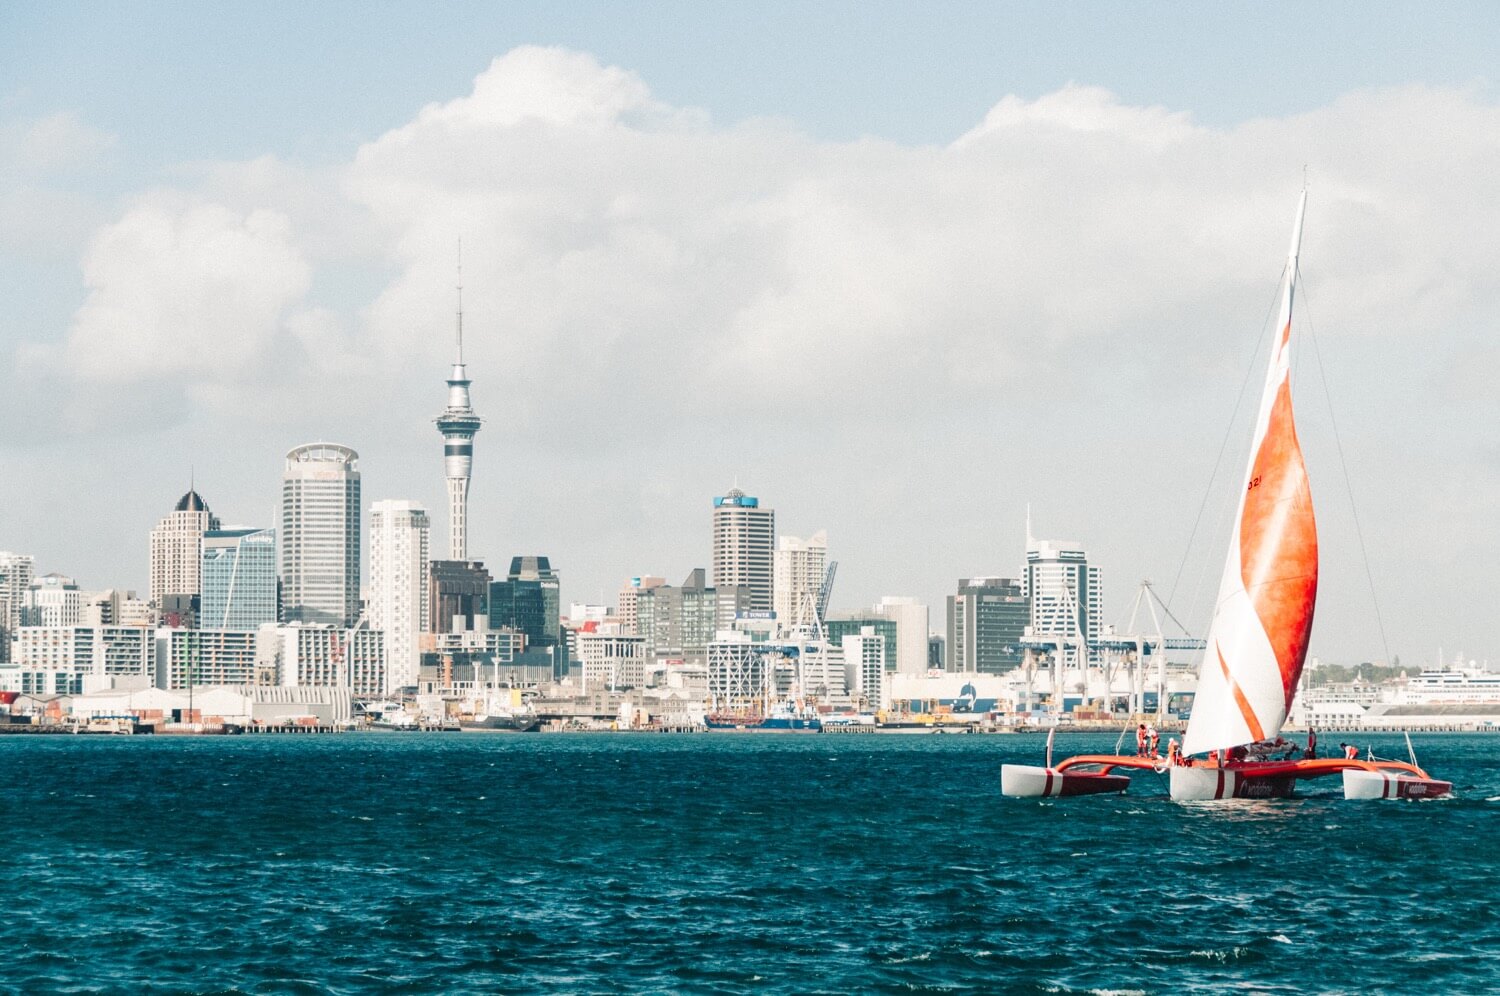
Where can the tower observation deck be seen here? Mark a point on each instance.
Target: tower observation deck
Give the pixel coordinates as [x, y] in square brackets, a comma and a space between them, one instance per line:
[458, 424]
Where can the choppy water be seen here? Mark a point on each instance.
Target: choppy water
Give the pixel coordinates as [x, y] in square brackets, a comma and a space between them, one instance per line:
[506, 863]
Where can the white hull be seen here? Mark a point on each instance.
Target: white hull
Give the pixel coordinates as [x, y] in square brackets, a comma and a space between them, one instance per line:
[1027, 782]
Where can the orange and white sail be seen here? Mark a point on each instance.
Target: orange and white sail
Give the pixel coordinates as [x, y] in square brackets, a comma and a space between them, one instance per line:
[1263, 616]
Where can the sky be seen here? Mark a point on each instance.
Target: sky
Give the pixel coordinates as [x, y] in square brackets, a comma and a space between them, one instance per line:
[900, 270]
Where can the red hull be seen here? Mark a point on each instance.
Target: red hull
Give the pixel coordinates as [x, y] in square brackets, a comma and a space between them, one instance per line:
[1091, 783]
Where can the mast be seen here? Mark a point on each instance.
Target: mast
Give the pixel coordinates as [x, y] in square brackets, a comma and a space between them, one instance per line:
[1263, 615]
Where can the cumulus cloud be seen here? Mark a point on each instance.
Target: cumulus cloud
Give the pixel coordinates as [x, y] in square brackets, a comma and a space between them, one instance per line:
[183, 292]
[1069, 271]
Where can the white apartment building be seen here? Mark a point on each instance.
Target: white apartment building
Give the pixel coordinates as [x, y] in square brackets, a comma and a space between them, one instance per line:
[16, 573]
[797, 576]
[400, 541]
[611, 662]
[327, 656]
[864, 668]
[70, 660]
[52, 600]
[205, 657]
[744, 544]
[913, 627]
[176, 553]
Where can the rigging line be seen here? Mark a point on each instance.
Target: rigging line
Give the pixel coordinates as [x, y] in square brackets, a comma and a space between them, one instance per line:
[1224, 445]
[1344, 466]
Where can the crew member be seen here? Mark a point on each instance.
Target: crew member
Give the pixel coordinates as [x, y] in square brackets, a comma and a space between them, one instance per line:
[1140, 740]
[1351, 752]
[1312, 743]
[1153, 739]
[1174, 752]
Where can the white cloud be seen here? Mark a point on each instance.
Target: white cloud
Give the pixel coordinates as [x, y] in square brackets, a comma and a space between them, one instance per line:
[1055, 306]
[183, 294]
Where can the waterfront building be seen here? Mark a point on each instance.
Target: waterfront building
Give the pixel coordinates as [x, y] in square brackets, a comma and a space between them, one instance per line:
[194, 657]
[1066, 594]
[865, 667]
[239, 579]
[458, 594]
[853, 623]
[321, 655]
[69, 660]
[16, 573]
[798, 568]
[528, 600]
[52, 600]
[626, 608]
[400, 537]
[463, 662]
[744, 544]
[913, 626]
[679, 622]
[458, 424]
[177, 555]
[987, 620]
[320, 535]
[611, 661]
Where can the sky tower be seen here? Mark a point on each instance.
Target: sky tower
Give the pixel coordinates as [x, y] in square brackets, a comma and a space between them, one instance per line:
[458, 423]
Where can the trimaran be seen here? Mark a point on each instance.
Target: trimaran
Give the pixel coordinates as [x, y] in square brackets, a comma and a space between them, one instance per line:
[1256, 643]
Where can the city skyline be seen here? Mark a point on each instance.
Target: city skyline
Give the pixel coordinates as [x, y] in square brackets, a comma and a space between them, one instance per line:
[1071, 274]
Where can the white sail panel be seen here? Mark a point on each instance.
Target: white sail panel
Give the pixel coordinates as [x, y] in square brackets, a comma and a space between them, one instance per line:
[1263, 615]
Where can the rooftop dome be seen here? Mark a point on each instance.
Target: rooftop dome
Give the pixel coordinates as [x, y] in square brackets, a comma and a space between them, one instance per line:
[192, 502]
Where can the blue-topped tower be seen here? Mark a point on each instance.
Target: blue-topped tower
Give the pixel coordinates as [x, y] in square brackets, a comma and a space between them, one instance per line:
[458, 424]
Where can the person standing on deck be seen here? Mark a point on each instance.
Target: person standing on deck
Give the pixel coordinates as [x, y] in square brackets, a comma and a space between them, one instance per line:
[1312, 744]
[1140, 740]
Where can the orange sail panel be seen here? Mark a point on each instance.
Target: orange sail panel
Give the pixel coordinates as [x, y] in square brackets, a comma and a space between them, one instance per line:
[1279, 543]
[1264, 612]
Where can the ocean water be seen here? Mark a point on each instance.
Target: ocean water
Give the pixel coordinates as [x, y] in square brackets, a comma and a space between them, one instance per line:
[409, 863]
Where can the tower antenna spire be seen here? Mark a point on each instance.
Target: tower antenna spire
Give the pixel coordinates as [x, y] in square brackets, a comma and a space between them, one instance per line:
[460, 300]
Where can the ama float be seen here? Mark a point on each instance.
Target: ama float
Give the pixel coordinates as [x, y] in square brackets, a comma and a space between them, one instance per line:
[1257, 642]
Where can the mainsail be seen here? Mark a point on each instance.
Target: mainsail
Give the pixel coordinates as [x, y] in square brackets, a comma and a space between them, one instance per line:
[1264, 611]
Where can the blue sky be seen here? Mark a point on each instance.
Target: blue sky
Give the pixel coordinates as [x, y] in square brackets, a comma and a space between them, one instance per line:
[183, 81]
[227, 229]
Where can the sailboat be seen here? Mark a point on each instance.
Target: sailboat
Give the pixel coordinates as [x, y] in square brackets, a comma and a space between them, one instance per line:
[1257, 641]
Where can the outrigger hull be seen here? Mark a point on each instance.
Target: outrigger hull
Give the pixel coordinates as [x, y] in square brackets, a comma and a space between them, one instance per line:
[1392, 785]
[1030, 782]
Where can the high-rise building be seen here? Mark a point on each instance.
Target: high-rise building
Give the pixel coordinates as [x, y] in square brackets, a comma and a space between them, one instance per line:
[844, 624]
[400, 538]
[865, 667]
[320, 535]
[16, 572]
[1066, 593]
[986, 621]
[52, 600]
[678, 623]
[458, 596]
[177, 553]
[744, 547]
[798, 567]
[239, 579]
[629, 596]
[458, 424]
[912, 629]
